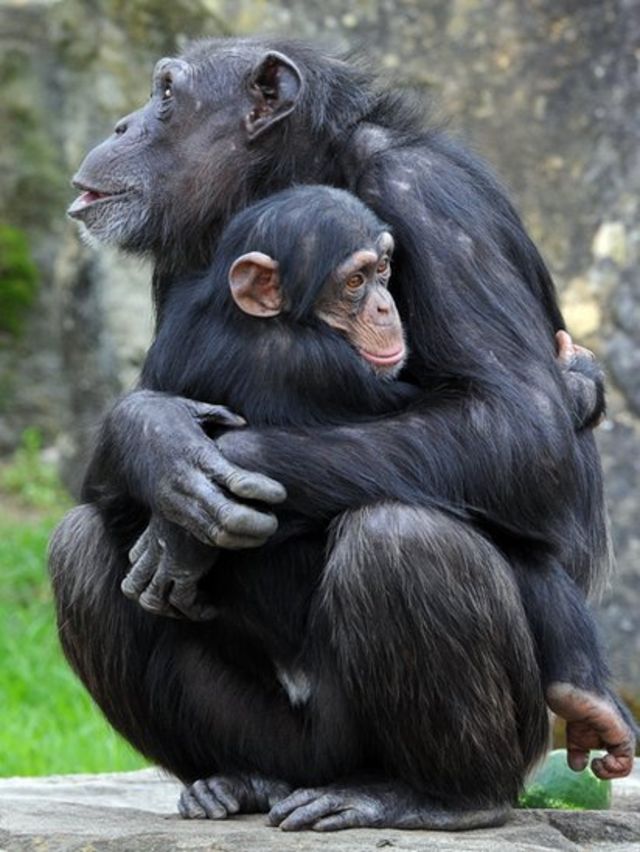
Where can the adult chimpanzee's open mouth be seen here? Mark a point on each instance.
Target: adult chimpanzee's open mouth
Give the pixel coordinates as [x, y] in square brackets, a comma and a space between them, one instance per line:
[90, 196]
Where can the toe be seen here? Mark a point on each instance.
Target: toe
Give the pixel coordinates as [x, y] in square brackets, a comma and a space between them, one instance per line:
[223, 793]
[188, 806]
[208, 801]
[286, 806]
[307, 815]
[336, 822]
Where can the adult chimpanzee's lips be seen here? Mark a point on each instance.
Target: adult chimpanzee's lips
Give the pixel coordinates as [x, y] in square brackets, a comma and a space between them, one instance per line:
[384, 359]
[90, 196]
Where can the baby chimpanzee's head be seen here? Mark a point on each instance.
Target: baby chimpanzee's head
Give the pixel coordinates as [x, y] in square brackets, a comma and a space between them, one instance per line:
[315, 251]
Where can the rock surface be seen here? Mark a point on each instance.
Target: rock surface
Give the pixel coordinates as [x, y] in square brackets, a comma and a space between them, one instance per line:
[548, 92]
[135, 812]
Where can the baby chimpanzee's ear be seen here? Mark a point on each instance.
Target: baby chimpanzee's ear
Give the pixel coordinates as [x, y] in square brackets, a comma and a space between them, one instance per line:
[255, 284]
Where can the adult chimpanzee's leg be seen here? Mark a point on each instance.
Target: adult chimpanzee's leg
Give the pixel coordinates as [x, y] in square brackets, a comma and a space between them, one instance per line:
[196, 700]
[433, 645]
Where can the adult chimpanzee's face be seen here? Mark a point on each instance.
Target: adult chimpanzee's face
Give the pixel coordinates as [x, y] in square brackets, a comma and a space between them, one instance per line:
[150, 160]
[179, 161]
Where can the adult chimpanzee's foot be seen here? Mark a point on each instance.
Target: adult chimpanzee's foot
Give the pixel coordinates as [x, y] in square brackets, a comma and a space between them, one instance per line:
[382, 804]
[223, 795]
[593, 721]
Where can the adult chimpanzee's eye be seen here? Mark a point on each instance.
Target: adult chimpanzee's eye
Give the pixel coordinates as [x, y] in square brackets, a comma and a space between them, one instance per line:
[355, 281]
[167, 88]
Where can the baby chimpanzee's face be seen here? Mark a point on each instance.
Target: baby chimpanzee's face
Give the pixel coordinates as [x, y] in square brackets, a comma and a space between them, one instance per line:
[355, 300]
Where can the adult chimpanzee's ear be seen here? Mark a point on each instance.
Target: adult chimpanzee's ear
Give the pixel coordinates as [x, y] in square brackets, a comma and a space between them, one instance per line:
[255, 284]
[275, 86]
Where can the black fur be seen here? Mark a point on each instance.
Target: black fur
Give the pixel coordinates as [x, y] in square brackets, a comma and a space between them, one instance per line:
[422, 663]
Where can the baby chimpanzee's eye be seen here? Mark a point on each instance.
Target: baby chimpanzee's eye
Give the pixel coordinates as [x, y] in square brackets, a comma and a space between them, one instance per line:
[383, 266]
[355, 281]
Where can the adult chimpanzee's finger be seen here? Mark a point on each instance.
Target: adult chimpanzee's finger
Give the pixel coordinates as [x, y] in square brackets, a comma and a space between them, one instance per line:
[234, 518]
[217, 414]
[583, 352]
[298, 799]
[137, 580]
[155, 597]
[577, 758]
[565, 347]
[618, 763]
[242, 483]
[141, 573]
[224, 793]
[194, 516]
[213, 808]
[139, 547]
[305, 816]
[189, 807]
[221, 538]
[147, 580]
[569, 352]
[183, 599]
[350, 818]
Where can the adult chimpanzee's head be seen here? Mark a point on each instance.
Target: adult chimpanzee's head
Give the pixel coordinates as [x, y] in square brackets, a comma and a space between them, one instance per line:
[316, 253]
[230, 121]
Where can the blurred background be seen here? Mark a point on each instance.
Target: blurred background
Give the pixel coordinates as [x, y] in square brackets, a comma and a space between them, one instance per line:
[547, 90]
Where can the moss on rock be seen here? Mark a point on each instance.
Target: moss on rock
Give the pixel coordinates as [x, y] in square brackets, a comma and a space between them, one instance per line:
[18, 279]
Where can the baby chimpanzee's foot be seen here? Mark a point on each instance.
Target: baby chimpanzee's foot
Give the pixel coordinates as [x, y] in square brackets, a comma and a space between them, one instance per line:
[377, 804]
[223, 795]
[593, 721]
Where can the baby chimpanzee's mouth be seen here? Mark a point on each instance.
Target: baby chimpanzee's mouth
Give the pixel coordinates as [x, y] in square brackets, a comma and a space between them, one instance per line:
[384, 359]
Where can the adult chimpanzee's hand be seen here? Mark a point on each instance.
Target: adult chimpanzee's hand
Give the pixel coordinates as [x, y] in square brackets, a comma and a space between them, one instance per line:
[166, 566]
[594, 722]
[178, 472]
[584, 379]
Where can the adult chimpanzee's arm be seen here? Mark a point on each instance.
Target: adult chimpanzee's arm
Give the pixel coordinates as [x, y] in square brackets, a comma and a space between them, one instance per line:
[376, 450]
[509, 460]
[453, 451]
[152, 447]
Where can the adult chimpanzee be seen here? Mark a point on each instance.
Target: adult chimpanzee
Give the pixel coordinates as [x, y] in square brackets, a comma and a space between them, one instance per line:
[233, 121]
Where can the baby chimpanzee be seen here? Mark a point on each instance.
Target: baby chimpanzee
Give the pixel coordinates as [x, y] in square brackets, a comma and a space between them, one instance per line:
[306, 332]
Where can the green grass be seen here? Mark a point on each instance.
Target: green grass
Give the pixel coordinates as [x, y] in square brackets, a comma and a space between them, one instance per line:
[48, 723]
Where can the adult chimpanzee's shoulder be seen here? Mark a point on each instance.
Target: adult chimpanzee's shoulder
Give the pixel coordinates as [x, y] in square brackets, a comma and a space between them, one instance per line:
[447, 207]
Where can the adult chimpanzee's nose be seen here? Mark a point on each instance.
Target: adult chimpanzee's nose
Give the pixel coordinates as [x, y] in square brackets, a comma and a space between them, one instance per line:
[131, 125]
[134, 121]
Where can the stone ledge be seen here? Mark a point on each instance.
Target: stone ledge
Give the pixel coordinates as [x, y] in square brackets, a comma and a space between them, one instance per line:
[136, 812]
